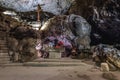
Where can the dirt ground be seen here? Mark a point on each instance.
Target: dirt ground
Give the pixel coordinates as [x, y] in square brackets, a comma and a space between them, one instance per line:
[82, 72]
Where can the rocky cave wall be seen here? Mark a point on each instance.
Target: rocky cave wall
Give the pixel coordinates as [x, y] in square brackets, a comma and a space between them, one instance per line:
[21, 36]
[103, 15]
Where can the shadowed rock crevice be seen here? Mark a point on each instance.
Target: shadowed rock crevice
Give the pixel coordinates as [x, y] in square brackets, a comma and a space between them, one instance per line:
[103, 15]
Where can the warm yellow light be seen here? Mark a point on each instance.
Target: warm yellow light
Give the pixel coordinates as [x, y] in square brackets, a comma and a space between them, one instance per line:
[35, 25]
[45, 25]
[9, 13]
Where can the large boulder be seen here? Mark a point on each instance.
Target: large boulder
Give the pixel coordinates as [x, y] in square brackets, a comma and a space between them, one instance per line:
[82, 30]
[73, 26]
[27, 49]
[21, 38]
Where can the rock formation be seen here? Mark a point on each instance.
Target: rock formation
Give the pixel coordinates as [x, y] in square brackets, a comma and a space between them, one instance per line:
[73, 26]
[103, 15]
[53, 6]
[21, 37]
[107, 54]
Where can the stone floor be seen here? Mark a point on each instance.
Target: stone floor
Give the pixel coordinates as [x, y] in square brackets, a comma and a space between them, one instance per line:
[84, 71]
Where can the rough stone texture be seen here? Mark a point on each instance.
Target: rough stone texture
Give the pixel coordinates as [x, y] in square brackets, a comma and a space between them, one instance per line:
[6, 22]
[104, 17]
[111, 66]
[73, 26]
[81, 7]
[52, 6]
[109, 76]
[28, 51]
[22, 49]
[104, 67]
[32, 16]
[4, 56]
[21, 38]
[82, 30]
[108, 54]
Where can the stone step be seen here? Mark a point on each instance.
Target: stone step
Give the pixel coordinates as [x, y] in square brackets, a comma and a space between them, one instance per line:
[4, 62]
[49, 65]
[2, 38]
[3, 35]
[3, 44]
[55, 63]
[11, 64]
[1, 28]
[57, 60]
[4, 51]
[3, 54]
[62, 62]
[2, 31]
[4, 59]
[2, 41]
[3, 48]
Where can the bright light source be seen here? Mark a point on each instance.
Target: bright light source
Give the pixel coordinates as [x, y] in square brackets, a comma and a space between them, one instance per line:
[36, 28]
[11, 13]
[35, 25]
[45, 25]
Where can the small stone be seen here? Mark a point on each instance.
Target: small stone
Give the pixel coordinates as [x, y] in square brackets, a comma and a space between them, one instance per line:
[104, 67]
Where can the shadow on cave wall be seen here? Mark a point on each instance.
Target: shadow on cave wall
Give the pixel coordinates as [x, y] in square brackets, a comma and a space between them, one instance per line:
[103, 15]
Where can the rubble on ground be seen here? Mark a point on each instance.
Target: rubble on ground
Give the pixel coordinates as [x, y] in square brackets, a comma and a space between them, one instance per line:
[107, 54]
